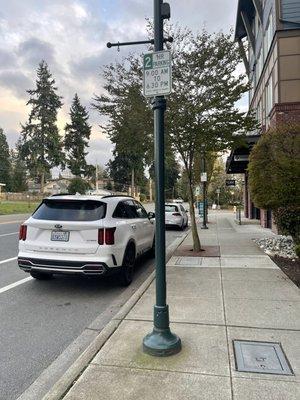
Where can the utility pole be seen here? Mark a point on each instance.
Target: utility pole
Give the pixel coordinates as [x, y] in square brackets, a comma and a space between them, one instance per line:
[161, 341]
[132, 183]
[96, 177]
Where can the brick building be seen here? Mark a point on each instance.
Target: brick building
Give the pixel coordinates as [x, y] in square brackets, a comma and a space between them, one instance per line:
[270, 31]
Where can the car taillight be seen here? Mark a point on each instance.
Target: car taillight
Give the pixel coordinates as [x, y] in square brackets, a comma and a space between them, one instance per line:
[176, 214]
[22, 232]
[110, 235]
[100, 236]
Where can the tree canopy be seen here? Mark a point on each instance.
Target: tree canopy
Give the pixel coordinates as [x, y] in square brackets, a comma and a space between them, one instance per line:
[41, 144]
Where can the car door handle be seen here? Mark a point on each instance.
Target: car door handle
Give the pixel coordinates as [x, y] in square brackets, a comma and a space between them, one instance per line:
[133, 226]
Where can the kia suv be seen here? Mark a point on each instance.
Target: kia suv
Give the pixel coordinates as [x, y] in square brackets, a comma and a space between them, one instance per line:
[85, 235]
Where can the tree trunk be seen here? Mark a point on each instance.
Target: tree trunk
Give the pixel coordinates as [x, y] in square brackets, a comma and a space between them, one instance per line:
[42, 182]
[196, 240]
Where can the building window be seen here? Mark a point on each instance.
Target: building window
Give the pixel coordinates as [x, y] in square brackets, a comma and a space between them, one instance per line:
[269, 97]
[268, 36]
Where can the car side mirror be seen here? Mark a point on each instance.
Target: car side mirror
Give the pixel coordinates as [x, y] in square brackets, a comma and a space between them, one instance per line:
[187, 210]
[151, 215]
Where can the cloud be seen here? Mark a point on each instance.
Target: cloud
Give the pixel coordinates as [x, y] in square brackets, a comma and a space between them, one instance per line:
[33, 50]
[16, 81]
[71, 37]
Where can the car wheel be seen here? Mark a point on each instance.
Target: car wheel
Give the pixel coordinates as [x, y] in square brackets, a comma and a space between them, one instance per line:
[126, 274]
[41, 276]
[182, 226]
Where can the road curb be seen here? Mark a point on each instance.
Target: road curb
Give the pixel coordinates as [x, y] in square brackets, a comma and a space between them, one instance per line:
[62, 386]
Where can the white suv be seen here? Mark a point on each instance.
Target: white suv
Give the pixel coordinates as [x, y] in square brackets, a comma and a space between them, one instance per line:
[88, 235]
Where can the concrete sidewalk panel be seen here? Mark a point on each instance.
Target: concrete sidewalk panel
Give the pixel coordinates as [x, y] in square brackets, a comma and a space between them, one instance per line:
[194, 274]
[182, 309]
[204, 349]
[185, 286]
[194, 262]
[263, 313]
[282, 290]
[288, 339]
[247, 262]
[253, 389]
[253, 274]
[112, 383]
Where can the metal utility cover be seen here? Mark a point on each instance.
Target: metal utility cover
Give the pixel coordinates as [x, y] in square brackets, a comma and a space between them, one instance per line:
[189, 261]
[261, 357]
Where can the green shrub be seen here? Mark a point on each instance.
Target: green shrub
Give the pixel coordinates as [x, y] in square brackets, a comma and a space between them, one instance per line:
[288, 222]
[297, 250]
[78, 185]
[274, 168]
[143, 197]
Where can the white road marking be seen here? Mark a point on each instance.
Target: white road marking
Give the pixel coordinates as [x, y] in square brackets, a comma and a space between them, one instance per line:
[8, 234]
[8, 260]
[12, 222]
[13, 285]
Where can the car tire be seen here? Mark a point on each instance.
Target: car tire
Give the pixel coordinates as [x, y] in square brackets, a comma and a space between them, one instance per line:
[182, 228]
[126, 274]
[41, 276]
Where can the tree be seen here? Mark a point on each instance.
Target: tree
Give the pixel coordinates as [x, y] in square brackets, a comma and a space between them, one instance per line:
[41, 145]
[18, 172]
[201, 113]
[274, 170]
[5, 166]
[78, 185]
[77, 137]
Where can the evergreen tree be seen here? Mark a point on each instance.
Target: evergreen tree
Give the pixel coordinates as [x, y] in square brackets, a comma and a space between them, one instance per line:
[41, 145]
[77, 137]
[5, 166]
[18, 172]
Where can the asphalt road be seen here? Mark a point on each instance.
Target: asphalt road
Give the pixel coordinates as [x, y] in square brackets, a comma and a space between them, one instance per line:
[40, 319]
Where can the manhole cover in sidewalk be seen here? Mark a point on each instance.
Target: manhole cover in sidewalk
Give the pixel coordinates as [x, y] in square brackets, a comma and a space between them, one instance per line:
[189, 261]
[260, 357]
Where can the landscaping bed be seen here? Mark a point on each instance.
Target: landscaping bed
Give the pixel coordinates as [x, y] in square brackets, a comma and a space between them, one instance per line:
[291, 267]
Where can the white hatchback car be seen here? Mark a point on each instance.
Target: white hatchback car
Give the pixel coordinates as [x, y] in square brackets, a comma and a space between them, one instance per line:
[88, 235]
[176, 215]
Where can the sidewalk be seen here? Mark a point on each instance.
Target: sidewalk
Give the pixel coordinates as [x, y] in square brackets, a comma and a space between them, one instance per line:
[241, 295]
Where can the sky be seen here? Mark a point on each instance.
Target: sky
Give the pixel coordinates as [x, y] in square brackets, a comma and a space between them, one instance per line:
[71, 36]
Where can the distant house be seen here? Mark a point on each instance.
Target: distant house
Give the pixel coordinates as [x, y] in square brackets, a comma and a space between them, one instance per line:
[55, 186]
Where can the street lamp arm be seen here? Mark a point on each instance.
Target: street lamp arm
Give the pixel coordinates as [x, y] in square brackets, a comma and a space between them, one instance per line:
[151, 41]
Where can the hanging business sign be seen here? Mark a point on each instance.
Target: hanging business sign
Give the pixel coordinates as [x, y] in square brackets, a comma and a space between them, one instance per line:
[230, 182]
[157, 74]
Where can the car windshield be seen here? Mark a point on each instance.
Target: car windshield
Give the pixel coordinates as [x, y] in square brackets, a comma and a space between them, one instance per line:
[70, 210]
[171, 208]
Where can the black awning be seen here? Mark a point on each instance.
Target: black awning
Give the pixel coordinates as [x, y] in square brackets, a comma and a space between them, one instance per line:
[237, 162]
[248, 7]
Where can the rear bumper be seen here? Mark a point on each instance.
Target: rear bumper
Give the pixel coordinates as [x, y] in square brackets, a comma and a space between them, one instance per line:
[65, 267]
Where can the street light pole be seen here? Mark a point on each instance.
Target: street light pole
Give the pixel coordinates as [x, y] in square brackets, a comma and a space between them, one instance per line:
[161, 341]
[204, 222]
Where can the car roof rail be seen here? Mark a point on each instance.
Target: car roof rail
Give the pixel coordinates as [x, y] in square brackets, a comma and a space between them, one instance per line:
[61, 194]
[116, 195]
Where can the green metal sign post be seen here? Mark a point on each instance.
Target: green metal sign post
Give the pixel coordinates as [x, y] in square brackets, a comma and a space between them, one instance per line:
[161, 341]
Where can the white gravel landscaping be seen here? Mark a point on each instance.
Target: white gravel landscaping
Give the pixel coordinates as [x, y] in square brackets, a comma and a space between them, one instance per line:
[280, 245]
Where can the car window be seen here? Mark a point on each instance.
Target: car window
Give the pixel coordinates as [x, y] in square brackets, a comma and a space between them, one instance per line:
[70, 210]
[171, 208]
[142, 213]
[120, 211]
[131, 209]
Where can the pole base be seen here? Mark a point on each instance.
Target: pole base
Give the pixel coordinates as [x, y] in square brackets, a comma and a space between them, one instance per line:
[204, 227]
[161, 343]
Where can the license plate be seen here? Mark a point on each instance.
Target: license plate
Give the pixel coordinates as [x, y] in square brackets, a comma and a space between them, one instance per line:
[60, 236]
